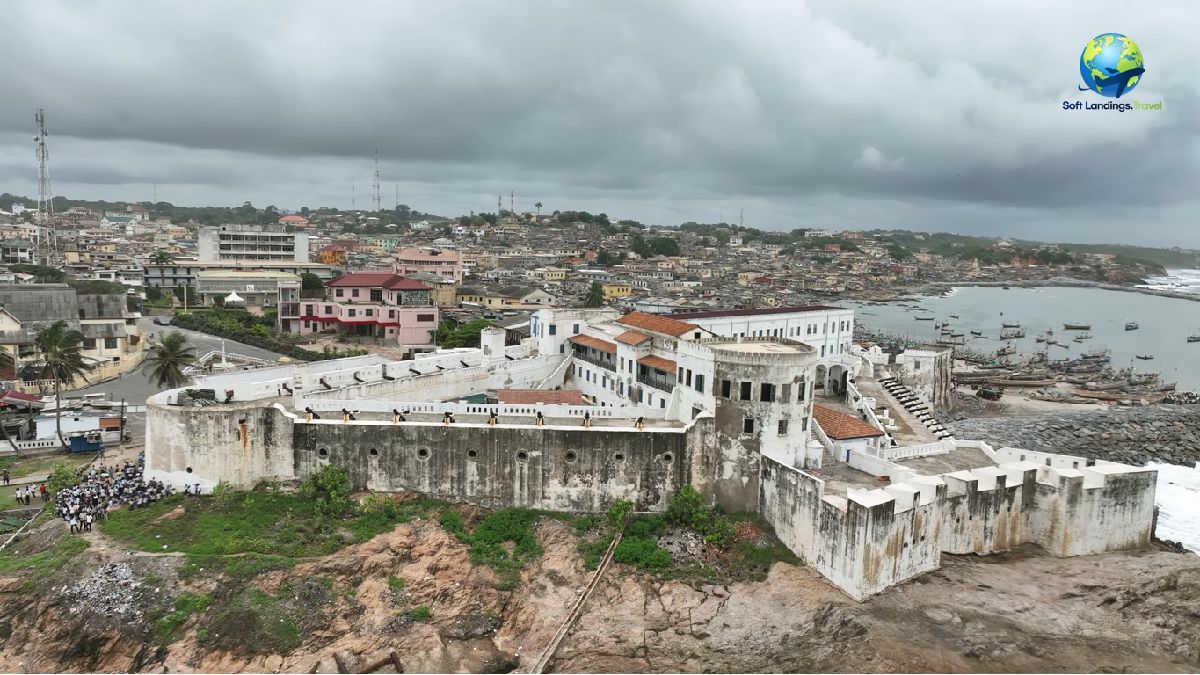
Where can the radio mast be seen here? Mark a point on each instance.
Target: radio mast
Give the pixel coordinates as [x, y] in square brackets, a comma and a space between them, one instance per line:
[45, 216]
[376, 195]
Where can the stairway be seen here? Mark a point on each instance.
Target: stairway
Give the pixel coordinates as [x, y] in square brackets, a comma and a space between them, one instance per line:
[916, 406]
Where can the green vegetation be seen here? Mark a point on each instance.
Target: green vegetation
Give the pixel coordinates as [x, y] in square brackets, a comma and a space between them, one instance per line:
[450, 334]
[491, 538]
[96, 287]
[41, 273]
[395, 583]
[654, 246]
[418, 613]
[63, 476]
[256, 622]
[186, 604]
[311, 282]
[60, 348]
[36, 567]
[595, 295]
[687, 509]
[265, 528]
[642, 552]
[167, 362]
[258, 331]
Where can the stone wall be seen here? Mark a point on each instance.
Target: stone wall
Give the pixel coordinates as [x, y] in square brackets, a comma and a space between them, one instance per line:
[1169, 433]
[556, 468]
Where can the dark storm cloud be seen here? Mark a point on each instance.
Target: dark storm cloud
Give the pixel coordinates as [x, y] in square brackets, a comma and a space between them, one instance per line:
[828, 113]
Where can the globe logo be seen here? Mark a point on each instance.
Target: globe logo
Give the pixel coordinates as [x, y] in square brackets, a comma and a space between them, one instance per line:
[1111, 65]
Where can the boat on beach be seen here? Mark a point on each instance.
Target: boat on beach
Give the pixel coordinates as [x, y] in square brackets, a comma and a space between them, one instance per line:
[1012, 333]
[1194, 338]
[923, 318]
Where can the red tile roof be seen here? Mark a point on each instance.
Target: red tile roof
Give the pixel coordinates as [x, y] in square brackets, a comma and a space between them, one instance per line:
[547, 396]
[657, 324]
[665, 365]
[386, 280]
[595, 343]
[749, 312]
[632, 337]
[840, 426]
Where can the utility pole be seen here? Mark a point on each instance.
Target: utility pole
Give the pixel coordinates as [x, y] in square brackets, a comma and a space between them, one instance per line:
[511, 209]
[376, 195]
[45, 215]
[740, 223]
[397, 196]
[353, 198]
[499, 205]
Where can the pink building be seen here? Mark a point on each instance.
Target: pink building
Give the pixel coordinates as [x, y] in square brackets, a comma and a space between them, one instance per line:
[446, 264]
[373, 304]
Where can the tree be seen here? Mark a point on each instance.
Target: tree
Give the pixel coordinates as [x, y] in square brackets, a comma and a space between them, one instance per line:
[898, 252]
[311, 282]
[162, 259]
[7, 362]
[169, 359]
[595, 295]
[61, 349]
[450, 335]
[538, 206]
[329, 489]
[607, 259]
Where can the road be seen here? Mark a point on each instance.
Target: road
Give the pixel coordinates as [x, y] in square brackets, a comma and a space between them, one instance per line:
[136, 386]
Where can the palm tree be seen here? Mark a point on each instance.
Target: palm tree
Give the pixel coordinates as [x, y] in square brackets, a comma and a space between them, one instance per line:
[595, 295]
[538, 206]
[169, 359]
[162, 259]
[61, 349]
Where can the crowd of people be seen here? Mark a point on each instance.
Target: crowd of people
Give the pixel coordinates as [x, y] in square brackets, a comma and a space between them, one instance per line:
[107, 487]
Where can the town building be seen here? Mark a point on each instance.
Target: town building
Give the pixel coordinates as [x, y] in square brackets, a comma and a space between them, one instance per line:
[238, 242]
[254, 289]
[183, 271]
[444, 263]
[381, 305]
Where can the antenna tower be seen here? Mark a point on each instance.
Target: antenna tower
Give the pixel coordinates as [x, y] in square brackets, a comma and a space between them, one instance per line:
[376, 194]
[353, 197]
[498, 207]
[397, 196]
[45, 214]
[511, 209]
[740, 223]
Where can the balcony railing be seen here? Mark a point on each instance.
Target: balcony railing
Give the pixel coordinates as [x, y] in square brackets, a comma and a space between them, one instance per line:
[607, 364]
[665, 383]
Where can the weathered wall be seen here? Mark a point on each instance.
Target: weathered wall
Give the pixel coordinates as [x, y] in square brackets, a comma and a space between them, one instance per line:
[206, 445]
[558, 468]
[862, 546]
[1104, 508]
[433, 384]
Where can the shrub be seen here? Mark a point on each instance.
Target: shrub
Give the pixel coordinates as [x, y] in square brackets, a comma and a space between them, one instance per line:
[586, 523]
[617, 513]
[329, 489]
[641, 552]
[418, 613]
[395, 582]
[64, 475]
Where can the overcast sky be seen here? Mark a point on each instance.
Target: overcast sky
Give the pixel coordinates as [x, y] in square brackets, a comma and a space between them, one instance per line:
[838, 113]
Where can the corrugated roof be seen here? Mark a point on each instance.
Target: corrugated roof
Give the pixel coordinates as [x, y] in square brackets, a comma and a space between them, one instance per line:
[595, 343]
[547, 396]
[665, 365]
[657, 324]
[840, 426]
[750, 312]
[386, 280]
[632, 337]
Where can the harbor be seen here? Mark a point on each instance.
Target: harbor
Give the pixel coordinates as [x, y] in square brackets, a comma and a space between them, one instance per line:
[1050, 346]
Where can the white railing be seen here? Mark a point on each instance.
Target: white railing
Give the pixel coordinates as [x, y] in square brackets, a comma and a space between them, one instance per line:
[913, 451]
[558, 375]
[825, 440]
[501, 409]
[235, 361]
[865, 405]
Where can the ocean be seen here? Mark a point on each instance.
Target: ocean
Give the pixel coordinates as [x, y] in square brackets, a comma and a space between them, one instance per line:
[1179, 281]
[1164, 323]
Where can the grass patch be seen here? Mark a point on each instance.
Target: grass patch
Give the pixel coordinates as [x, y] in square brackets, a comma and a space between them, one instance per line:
[253, 621]
[592, 551]
[418, 613]
[395, 583]
[186, 604]
[643, 552]
[36, 567]
[237, 566]
[276, 528]
[585, 524]
[496, 534]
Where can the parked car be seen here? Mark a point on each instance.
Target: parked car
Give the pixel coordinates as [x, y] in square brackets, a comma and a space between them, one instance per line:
[160, 321]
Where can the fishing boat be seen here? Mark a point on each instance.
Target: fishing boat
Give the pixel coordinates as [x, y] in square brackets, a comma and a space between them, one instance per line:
[923, 318]
[1005, 324]
[953, 316]
[957, 335]
[1034, 384]
[1194, 338]
[1040, 338]
[1012, 333]
[1006, 350]
[1077, 326]
[1131, 325]
[1145, 357]
[977, 333]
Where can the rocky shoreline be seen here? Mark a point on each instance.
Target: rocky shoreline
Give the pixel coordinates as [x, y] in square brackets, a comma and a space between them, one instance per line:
[1166, 433]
